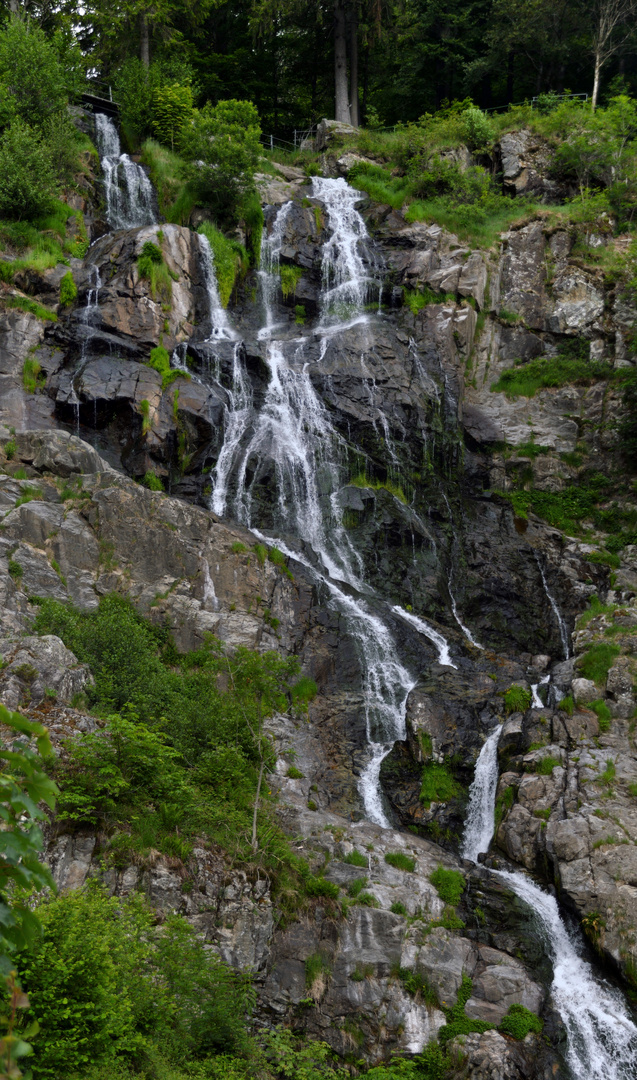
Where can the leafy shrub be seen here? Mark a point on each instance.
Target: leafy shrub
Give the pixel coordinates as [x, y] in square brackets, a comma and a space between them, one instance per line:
[597, 661]
[31, 72]
[320, 886]
[294, 773]
[479, 132]
[102, 980]
[222, 145]
[68, 290]
[9, 449]
[517, 699]
[519, 1021]
[567, 705]
[290, 276]
[152, 481]
[151, 267]
[400, 861]
[356, 858]
[603, 714]
[15, 570]
[417, 985]
[238, 548]
[604, 558]
[303, 691]
[27, 178]
[449, 884]
[438, 784]
[172, 111]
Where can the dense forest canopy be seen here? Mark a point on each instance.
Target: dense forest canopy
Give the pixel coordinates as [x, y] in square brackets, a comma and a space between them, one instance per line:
[394, 59]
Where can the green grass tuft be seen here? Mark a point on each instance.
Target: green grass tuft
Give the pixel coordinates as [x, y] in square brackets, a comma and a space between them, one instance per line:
[438, 784]
[597, 662]
[449, 884]
[400, 861]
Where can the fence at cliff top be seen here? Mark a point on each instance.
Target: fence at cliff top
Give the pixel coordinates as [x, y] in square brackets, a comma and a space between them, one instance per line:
[299, 136]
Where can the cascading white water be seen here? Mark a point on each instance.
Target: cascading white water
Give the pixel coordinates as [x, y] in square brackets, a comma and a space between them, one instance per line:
[536, 700]
[602, 1038]
[129, 192]
[220, 324]
[479, 825]
[556, 611]
[293, 431]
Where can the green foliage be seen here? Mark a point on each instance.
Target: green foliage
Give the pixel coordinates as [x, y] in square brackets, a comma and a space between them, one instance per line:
[299, 314]
[238, 548]
[458, 1023]
[567, 705]
[503, 804]
[562, 509]
[545, 766]
[571, 366]
[303, 691]
[261, 552]
[172, 112]
[400, 861]
[151, 267]
[603, 714]
[449, 884]
[479, 132]
[438, 783]
[398, 908]
[316, 967]
[603, 558]
[9, 449]
[25, 303]
[597, 661]
[28, 183]
[356, 858]
[417, 985]
[320, 886]
[608, 775]
[15, 570]
[31, 74]
[201, 778]
[230, 260]
[24, 785]
[519, 1021]
[355, 888]
[290, 276]
[68, 290]
[222, 146]
[104, 981]
[159, 360]
[363, 481]
[31, 372]
[152, 481]
[517, 699]
[29, 493]
[294, 773]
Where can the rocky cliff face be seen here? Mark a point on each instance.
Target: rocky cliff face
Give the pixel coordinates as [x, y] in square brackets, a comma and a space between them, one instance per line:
[420, 436]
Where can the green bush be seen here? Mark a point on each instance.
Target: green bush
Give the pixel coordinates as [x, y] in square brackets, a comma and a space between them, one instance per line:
[104, 982]
[398, 908]
[31, 372]
[449, 884]
[68, 290]
[172, 111]
[153, 481]
[517, 699]
[519, 1021]
[567, 705]
[31, 72]
[417, 985]
[597, 662]
[438, 784]
[27, 179]
[290, 276]
[223, 148]
[400, 861]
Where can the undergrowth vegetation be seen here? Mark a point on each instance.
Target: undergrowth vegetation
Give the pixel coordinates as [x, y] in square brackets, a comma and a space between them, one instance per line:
[181, 747]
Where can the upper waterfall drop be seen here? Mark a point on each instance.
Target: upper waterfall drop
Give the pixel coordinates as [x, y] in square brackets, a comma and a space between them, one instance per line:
[219, 322]
[129, 192]
[346, 282]
[479, 826]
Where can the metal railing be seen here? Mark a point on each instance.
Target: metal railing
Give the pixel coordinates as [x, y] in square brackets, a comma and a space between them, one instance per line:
[273, 142]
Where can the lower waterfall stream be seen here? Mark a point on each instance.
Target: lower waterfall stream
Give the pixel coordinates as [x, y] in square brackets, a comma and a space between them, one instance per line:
[601, 1037]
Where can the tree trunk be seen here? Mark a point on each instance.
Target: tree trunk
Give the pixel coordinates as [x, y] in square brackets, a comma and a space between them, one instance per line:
[255, 842]
[144, 36]
[598, 68]
[353, 67]
[363, 118]
[340, 65]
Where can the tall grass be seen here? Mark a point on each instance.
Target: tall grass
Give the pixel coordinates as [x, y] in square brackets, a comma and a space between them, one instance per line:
[230, 258]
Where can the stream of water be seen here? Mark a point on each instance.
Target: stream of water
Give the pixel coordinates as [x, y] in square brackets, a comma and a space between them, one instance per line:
[292, 431]
[601, 1037]
[129, 192]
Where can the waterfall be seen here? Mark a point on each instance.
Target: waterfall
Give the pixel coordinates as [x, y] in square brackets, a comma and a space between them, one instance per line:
[219, 323]
[292, 430]
[90, 314]
[536, 700]
[556, 611]
[479, 826]
[129, 192]
[602, 1039]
